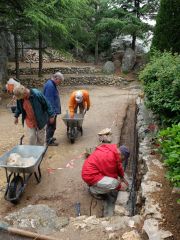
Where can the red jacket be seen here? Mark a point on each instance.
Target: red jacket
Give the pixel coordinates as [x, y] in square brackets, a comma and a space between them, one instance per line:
[104, 161]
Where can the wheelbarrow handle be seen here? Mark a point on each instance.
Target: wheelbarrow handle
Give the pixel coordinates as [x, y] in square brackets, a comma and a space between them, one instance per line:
[21, 139]
[84, 112]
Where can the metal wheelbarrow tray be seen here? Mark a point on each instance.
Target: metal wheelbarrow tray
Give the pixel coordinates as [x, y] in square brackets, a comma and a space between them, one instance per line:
[77, 121]
[74, 125]
[18, 176]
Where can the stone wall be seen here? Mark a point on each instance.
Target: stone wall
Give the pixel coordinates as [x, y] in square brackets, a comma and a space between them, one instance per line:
[78, 80]
[149, 166]
[73, 76]
[64, 70]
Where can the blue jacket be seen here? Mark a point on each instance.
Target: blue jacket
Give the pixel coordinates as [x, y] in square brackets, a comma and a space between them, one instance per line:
[51, 93]
[41, 107]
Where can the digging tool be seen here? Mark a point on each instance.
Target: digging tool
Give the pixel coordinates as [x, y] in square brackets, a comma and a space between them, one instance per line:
[6, 227]
[78, 210]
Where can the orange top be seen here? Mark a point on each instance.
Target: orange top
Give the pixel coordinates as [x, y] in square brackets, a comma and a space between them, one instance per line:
[30, 117]
[73, 104]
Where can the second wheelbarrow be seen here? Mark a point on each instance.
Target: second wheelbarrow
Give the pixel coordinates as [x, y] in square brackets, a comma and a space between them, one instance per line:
[74, 125]
[18, 175]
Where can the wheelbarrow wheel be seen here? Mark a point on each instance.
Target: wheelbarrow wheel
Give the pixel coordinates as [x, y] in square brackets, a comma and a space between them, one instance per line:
[72, 134]
[15, 188]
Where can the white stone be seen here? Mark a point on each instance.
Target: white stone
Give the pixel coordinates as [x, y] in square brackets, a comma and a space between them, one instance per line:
[157, 163]
[152, 210]
[108, 229]
[80, 225]
[122, 197]
[149, 187]
[113, 236]
[133, 235]
[131, 223]
[92, 220]
[117, 222]
[151, 227]
[120, 210]
[137, 219]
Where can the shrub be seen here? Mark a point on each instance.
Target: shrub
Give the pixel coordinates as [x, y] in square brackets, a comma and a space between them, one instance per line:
[161, 79]
[169, 140]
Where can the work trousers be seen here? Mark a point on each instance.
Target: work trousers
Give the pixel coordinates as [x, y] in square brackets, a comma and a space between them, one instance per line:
[81, 108]
[105, 185]
[50, 129]
[36, 136]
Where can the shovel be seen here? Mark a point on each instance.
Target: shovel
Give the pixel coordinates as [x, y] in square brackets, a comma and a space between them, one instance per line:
[6, 227]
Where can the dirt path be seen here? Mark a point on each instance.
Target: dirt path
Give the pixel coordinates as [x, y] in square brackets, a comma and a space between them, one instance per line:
[61, 189]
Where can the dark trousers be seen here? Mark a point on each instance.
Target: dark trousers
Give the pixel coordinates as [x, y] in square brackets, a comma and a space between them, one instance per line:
[81, 108]
[50, 129]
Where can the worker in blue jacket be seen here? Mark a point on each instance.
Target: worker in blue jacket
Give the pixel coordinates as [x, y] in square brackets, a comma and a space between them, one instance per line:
[36, 111]
[52, 95]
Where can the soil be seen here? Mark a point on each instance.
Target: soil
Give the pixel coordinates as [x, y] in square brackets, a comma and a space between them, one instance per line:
[168, 203]
[61, 186]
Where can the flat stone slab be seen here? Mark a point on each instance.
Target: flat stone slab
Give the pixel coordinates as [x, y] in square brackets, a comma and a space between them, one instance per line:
[38, 218]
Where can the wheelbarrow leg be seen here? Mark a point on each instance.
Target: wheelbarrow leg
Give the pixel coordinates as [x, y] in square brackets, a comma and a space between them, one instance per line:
[81, 131]
[38, 176]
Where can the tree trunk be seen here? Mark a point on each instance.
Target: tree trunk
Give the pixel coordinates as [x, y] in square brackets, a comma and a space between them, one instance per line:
[97, 36]
[133, 44]
[97, 49]
[22, 51]
[40, 55]
[16, 54]
[136, 11]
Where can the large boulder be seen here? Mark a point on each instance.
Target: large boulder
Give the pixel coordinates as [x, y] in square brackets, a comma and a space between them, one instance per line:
[128, 60]
[109, 67]
[121, 43]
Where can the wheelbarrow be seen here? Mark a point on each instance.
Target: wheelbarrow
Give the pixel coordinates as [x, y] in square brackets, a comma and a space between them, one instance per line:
[18, 176]
[74, 125]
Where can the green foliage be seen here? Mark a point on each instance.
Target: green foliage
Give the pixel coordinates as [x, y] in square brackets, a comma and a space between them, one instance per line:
[161, 79]
[167, 30]
[54, 19]
[169, 140]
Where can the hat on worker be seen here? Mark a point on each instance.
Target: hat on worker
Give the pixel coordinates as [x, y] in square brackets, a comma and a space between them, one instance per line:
[19, 91]
[79, 96]
[124, 150]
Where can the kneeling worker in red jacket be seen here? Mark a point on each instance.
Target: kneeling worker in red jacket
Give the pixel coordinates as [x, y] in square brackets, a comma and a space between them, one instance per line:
[103, 167]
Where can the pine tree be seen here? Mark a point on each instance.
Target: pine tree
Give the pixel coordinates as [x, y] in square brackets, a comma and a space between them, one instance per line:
[167, 30]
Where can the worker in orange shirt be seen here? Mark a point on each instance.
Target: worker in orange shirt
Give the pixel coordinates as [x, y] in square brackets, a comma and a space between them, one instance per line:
[79, 99]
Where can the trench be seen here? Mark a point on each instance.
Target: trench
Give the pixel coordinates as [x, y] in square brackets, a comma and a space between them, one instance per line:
[129, 136]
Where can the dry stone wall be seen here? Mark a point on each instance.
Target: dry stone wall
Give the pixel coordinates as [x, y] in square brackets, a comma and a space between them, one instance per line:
[72, 76]
[63, 70]
[77, 80]
[149, 166]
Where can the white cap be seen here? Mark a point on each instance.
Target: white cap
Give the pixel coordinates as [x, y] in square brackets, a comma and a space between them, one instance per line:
[79, 96]
[12, 81]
